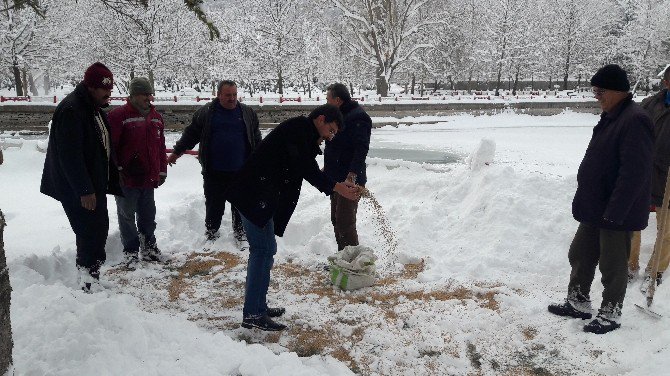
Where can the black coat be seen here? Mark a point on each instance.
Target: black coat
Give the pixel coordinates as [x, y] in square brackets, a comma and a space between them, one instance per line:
[76, 163]
[614, 178]
[347, 151]
[268, 186]
[200, 131]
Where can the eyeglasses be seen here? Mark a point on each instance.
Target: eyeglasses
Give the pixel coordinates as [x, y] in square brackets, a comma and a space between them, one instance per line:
[598, 92]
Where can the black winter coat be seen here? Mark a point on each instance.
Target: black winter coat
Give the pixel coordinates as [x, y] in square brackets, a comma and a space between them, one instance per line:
[268, 186]
[349, 148]
[76, 163]
[200, 131]
[614, 178]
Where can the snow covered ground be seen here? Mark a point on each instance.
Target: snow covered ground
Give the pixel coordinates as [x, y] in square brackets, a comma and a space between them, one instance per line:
[483, 252]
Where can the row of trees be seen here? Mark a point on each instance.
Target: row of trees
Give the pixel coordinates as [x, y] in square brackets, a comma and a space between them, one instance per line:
[272, 44]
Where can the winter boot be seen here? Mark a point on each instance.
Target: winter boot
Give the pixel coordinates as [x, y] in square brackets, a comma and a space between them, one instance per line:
[212, 235]
[568, 309]
[151, 252]
[89, 281]
[130, 259]
[601, 325]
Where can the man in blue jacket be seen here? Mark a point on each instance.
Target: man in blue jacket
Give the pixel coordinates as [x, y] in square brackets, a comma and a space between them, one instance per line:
[344, 160]
[612, 200]
[228, 133]
[79, 169]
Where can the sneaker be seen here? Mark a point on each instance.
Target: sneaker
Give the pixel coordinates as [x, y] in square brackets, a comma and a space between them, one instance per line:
[567, 309]
[276, 312]
[151, 253]
[262, 323]
[601, 325]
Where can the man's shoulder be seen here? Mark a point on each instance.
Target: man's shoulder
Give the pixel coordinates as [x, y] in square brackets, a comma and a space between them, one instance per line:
[121, 111]
[357, 113]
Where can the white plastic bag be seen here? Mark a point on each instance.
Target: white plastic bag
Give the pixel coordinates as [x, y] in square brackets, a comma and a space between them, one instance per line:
[353, 268]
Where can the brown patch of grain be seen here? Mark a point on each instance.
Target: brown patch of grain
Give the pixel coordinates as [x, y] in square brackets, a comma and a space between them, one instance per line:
[411, 271]
[529, 333]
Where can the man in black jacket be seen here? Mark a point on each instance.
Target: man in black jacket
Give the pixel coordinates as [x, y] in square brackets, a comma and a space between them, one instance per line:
[344, 159]
[266, 194]
[612, 201]
[79, 170]
[228, 132]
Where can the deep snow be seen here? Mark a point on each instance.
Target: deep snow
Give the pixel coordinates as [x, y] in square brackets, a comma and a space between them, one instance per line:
[502, 229]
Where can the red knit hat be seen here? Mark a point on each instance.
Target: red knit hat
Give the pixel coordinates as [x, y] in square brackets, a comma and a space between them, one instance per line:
[98, 76]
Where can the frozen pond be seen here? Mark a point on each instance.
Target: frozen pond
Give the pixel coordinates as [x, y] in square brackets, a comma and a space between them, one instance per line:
[415, 155]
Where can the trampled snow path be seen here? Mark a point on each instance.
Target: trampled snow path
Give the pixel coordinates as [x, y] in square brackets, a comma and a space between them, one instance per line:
[494, 244]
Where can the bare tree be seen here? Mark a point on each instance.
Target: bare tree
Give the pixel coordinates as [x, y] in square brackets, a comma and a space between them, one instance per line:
[385, 33]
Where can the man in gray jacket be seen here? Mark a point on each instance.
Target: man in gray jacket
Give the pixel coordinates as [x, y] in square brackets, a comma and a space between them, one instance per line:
[658, 108]
[227, 132]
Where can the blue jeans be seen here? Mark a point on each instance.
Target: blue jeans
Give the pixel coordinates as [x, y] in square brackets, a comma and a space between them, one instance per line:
[140, 202]
[262, 248]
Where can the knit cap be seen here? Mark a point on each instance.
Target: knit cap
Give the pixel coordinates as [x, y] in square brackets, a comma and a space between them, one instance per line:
[611, 77]
[98, 76]
[140, 85]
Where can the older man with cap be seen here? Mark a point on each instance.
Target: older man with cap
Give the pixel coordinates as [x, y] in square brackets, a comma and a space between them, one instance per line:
[138, 142]
[79, 169]
[612, 201]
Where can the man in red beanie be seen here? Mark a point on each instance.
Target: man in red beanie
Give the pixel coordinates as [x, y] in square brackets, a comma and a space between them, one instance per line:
[79, 170]
[612, 201]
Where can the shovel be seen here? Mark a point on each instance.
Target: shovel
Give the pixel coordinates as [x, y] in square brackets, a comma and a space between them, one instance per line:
[661, 218]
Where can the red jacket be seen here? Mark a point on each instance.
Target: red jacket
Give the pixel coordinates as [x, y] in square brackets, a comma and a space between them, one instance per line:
[139, 145]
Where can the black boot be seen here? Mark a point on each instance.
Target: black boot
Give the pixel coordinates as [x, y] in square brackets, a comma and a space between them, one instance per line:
[262, 323]
[601, 325]
[567, 309]
[276, 312]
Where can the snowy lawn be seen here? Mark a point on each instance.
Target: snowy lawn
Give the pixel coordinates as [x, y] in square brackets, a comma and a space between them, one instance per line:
[480, 255]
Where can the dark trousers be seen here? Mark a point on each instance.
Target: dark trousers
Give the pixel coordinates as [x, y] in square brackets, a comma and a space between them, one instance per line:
[140, 202]
[90, 228]
[262, 248]
[343, 217]
[216, 183]
[608, 249]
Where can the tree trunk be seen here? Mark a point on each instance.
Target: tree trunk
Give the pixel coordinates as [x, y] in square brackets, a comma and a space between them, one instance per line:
[382, 86]
[413, 83]
[151, 78]
[17, 80]
[31, 84]
[6, 342]
[516, 81]
[47, 83]
[280, 82]
[24, 81]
